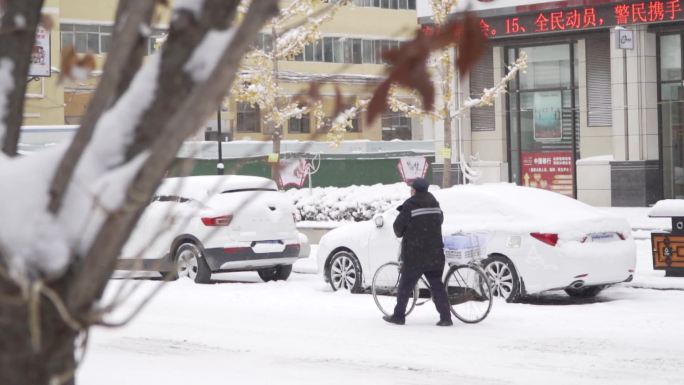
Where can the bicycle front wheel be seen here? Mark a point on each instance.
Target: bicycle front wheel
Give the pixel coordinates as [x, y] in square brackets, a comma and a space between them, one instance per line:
[386, 286]
[469, 293]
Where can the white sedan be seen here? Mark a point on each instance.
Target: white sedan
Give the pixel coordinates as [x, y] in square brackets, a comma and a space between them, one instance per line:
[200, 225]
[537, 241]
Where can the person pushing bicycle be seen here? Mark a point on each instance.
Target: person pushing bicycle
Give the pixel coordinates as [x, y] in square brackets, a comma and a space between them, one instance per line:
[419, 224]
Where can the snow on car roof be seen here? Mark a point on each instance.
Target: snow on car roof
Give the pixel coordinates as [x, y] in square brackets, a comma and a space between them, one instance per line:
[199, 187]
[507, 207]
[510, 199]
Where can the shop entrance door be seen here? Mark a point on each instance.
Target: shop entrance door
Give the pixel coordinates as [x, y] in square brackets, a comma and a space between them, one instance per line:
[672, 114]
[542, 125]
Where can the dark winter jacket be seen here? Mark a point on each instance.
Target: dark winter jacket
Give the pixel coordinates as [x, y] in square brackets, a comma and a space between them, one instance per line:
[420, 224]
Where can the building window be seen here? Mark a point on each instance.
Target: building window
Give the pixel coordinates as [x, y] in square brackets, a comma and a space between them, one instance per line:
[355, 126]
[346, 50]
[248, 117]
[671, 91]
[263, 42]
[387, 4]
[395, 125]
[96, 39]
[299, 125]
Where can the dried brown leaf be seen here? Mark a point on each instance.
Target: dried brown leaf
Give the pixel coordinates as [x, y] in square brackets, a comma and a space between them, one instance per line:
[314, 92]
[408, 63]
[87, 62]
[46, 21]
[69, 60]
[472, 45]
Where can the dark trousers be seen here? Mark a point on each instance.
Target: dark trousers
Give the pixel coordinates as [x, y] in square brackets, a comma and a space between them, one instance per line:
[409, 280]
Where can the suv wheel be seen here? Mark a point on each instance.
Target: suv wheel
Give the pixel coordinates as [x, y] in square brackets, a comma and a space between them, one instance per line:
[191, 264]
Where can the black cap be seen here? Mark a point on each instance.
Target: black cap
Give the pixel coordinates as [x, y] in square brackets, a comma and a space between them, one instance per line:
[420, 184]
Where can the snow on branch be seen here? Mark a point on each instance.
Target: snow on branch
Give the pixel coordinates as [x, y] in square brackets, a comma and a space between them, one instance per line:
[490, 94]
[204, 58]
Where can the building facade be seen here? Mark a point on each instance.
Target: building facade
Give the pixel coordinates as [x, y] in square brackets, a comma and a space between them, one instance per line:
[597, 115]
[347, 57]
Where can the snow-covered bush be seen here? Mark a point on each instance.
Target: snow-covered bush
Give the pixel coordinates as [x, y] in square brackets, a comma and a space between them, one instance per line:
[354, 203]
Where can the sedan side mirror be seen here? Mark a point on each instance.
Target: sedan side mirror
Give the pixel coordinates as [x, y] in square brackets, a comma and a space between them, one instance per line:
[379, 221]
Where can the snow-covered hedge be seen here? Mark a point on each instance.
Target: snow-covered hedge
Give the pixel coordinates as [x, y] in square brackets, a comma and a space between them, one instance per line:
[354, 203]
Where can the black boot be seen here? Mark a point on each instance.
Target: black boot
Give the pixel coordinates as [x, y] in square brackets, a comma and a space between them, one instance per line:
[393, 320]
[445, 322]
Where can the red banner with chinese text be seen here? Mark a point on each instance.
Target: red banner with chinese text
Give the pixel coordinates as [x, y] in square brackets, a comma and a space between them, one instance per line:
[548, 170]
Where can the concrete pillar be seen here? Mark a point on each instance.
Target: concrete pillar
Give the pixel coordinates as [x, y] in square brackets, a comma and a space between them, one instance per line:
[636, 178]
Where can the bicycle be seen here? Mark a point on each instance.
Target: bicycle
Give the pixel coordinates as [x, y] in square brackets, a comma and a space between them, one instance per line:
[468, 289]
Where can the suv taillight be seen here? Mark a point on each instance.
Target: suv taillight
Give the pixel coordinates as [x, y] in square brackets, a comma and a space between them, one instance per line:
[548, 238]
[223, 220]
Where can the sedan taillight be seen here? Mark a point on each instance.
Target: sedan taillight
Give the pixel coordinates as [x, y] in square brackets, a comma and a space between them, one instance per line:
[223, 220]
[548, 238]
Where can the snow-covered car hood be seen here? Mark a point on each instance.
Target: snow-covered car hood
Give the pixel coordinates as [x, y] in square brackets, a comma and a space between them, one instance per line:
[353, 235]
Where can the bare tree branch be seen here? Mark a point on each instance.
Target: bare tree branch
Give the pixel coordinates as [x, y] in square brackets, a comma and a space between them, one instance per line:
[199, 102]
[123, 61]
[16, 44]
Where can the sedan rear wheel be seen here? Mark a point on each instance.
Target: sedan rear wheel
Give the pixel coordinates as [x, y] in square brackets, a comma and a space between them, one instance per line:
[503, 277]
[345, 272]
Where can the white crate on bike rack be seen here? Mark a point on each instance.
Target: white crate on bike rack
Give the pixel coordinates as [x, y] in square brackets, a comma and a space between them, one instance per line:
[462, 248]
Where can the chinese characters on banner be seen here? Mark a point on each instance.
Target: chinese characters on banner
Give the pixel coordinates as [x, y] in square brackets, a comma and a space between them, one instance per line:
[40, 54]
[605, 15]
[548, 170]
[412, 167]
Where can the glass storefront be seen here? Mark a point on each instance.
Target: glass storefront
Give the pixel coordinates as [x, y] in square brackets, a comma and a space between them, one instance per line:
[672, 114]
[542, 128]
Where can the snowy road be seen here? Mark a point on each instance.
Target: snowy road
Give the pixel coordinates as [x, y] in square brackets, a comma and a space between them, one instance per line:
[243, 331]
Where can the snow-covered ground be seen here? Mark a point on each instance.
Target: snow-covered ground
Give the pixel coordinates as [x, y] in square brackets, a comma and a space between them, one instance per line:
[244, 331]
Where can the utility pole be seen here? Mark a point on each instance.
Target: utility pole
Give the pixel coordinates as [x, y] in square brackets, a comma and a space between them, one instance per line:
[219, 165]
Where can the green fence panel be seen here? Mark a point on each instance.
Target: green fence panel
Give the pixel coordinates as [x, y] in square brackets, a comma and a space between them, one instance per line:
[337, 172]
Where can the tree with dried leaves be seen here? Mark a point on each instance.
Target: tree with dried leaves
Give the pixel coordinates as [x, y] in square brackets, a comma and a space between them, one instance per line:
[68, 210]
[430, 61]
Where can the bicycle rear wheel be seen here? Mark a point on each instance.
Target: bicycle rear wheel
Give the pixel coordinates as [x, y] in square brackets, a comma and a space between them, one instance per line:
[386, 286]
[469, 293]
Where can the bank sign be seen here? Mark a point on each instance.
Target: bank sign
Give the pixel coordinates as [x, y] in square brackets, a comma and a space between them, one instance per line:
[580, 18]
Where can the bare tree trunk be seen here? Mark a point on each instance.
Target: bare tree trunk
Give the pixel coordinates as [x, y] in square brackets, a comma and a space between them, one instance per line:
[446, 177]
[16, 45]
[36, 337]
[123, 61]
[21, 361]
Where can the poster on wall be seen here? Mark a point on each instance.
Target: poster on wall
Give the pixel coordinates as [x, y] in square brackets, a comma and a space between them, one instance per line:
[412, 167]
[40, 54]
[292, 172]
[548, 170]
[547, 117]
